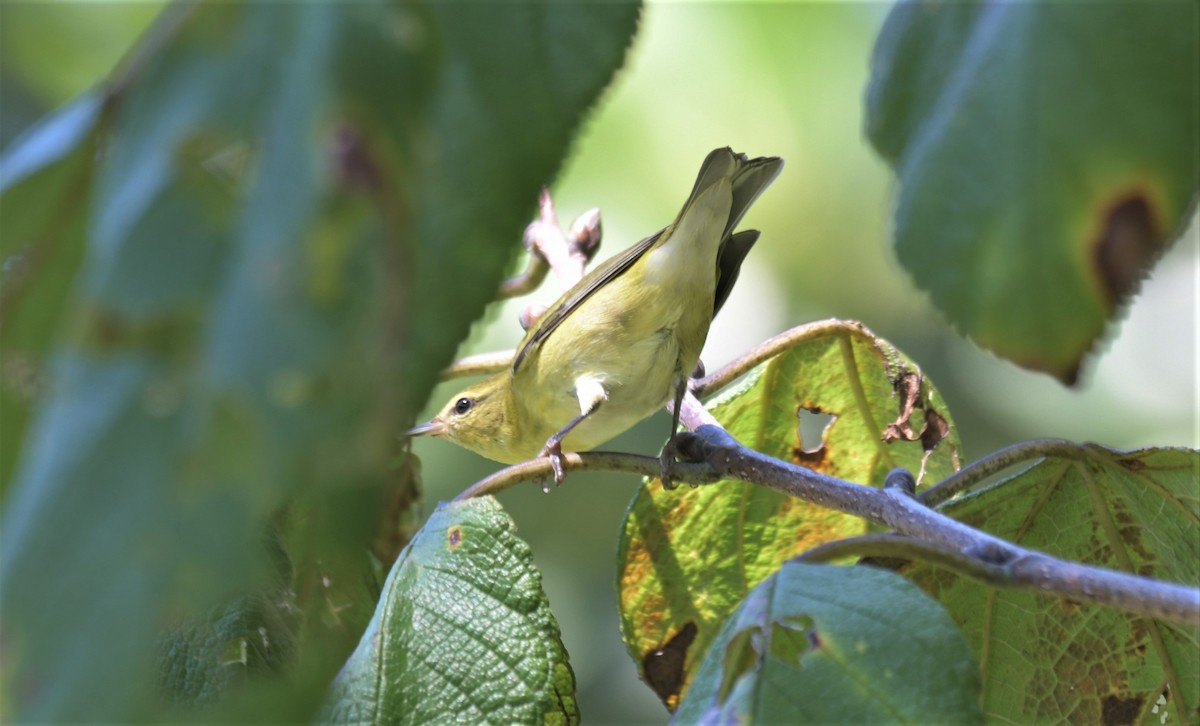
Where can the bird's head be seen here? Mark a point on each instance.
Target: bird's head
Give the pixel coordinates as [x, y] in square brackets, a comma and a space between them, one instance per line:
[477, 418]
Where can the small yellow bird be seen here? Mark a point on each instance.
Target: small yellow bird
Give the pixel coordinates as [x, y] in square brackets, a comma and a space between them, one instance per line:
[621, 342]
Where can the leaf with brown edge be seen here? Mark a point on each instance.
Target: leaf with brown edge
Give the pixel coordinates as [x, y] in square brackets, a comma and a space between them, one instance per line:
[1046, 154]
[688, 556]
[1049, 660]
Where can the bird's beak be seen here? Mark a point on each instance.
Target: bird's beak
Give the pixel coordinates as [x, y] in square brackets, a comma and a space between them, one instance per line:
[430, 428]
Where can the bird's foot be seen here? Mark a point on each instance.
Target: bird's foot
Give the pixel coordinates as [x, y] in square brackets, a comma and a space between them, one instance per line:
[665, 459]
[553, 451]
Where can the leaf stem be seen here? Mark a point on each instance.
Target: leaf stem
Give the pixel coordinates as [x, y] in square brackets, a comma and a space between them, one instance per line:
[997, 462]
[770, 348]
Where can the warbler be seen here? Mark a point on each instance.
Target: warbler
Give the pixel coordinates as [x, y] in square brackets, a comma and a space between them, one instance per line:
[621, 342]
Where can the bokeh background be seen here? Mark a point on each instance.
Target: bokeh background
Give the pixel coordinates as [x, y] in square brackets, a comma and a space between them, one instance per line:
[766, 79]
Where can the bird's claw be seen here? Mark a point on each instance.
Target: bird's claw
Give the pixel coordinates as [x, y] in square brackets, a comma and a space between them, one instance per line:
[553, 452]
[665, 459]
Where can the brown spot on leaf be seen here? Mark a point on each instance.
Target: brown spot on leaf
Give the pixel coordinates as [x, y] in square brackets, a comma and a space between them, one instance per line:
[454, 536]
[663, 666]
[1115, 711]
[1129, 241]
[814, 639]
[815, 461]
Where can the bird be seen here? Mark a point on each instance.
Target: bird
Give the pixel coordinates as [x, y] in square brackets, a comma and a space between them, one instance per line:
[621, 342]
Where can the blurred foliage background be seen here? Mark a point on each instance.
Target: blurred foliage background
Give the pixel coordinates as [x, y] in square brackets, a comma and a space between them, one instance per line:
[766, 79]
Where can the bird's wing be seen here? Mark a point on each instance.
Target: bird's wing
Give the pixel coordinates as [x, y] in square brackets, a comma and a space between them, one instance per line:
[569, 303]
[748, 177]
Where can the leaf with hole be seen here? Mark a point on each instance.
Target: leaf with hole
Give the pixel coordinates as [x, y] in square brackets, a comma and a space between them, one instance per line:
[688, 556]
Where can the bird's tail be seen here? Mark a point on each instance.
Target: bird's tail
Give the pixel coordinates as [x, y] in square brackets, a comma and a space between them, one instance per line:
[748, 177]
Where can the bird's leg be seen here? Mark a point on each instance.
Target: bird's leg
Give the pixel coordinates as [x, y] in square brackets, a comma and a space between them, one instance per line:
[667, 457]
[553, 449]
[591, 394]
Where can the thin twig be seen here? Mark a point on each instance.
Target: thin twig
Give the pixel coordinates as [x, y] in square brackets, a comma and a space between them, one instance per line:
[550, 248]
[540, 468]
[1025, 570]
[894, 546]
[768, 349]
[998, 461]
[527, 281]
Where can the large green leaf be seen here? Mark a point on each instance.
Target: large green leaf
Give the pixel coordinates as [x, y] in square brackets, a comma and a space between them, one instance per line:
[1047, 153]
[688, 556]
[280, 190]
[829, 644]
[462, 633]
[1045, 659]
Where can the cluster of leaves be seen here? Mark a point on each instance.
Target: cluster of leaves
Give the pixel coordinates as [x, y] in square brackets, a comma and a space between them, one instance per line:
[210, 336]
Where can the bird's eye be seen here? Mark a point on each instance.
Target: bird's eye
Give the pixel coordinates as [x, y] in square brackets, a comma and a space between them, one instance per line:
[463, 405]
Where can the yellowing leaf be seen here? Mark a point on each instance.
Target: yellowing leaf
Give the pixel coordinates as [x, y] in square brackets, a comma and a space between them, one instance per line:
[688, 556]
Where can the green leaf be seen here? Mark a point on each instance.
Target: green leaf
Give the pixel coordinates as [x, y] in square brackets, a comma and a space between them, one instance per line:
[1046, 158]
[1046, 659]
[462, 632]
[688, 556]
[279, 195]
[829, 644]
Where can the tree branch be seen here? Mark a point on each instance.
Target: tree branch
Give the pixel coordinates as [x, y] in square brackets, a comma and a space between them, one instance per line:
[895, 507]
[713, 455]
